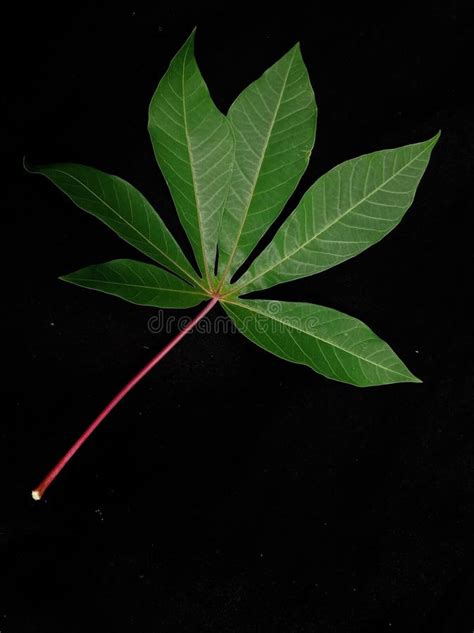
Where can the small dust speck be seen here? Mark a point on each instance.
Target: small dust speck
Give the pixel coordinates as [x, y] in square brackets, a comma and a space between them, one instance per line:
[52, 324]
[417, 351]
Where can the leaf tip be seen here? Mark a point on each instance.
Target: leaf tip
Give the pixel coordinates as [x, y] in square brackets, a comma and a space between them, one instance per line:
[434, 139]
[27, 167]
[191, 38]
[31, 168]
[296, 49]
[412, 378]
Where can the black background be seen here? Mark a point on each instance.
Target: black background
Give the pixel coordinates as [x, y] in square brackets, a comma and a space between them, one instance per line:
[232, 491]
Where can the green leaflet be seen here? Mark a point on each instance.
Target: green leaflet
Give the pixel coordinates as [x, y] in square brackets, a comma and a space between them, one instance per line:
[274, 123]
[347, 210]
[229, 178]
[139, 283]
[330, 342]
[122, 208]
[194, 147]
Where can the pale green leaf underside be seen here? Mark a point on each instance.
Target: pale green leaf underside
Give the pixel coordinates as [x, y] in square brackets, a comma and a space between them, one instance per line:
[330, 342]
[139, 283]
[347, 210]
[274, 124]
[122, 208]
[194, 147]
[229, 179]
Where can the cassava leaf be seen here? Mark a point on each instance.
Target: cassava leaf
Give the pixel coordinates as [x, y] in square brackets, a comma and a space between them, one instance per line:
[347, 210]
[139, 283]
[227, 192]
[122, 208]
[274, 123]
[229, 178]
[194, 147]
[330, 342]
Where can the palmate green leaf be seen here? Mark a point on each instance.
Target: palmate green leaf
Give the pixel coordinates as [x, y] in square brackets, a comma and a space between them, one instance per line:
[330, 342]
[122, 208]
[139, 283]
[347, 210]
[274, 123]
[194, 147]
[229, 178]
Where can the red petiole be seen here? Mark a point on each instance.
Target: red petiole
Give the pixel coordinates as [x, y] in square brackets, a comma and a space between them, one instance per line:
[39, 491]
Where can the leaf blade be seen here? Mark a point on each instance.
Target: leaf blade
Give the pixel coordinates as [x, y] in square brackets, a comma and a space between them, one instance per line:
[274, 124]
[137, 282]
[343, 213]
[193, 146]
[329, 342]
[123, 209]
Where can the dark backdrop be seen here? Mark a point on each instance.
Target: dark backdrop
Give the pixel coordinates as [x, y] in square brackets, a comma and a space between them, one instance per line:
[232, 491]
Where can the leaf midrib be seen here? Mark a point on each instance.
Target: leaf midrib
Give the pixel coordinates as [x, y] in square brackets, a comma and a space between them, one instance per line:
[193, 175]
[258, 171]
[319, 338]
[127, 285]
[340, 217]
[65, 173]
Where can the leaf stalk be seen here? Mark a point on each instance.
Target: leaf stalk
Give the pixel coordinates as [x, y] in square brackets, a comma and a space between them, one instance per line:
[39, 491]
